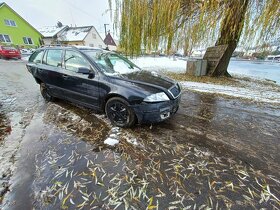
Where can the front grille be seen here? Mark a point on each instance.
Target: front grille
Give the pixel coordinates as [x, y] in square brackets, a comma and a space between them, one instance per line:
[175, 91]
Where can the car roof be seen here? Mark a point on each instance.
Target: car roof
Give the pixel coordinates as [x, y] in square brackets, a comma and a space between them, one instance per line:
[81, 47]
[55, 47]
[70, 47]
[75, 47]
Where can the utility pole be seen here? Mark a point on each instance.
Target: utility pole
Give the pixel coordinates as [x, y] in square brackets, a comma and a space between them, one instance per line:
[105, 28]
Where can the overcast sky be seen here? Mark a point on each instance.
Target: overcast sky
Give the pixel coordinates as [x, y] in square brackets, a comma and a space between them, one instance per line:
[76, 12]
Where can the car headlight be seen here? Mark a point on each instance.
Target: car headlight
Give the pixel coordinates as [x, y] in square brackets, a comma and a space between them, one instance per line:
[157, 97]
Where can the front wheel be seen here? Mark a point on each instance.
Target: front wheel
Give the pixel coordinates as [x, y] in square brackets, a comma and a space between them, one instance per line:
[119, 112]
[45, 93]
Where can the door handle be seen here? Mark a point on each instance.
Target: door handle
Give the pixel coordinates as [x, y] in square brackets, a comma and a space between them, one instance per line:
[65, 76]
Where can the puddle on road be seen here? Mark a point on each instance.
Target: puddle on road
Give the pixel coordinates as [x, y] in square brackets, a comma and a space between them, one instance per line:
[249, 131]
[65, 164]
[162, 174]
[10, 138]
[5, 129]
[77, 121]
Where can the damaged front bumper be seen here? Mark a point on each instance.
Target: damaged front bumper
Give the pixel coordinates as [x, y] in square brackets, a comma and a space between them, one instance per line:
[156, 112]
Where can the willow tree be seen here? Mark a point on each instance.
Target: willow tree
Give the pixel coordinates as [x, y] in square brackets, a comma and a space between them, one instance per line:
[175, 24]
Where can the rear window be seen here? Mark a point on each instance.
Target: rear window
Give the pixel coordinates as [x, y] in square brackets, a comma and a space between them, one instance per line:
[36, 57]
[9, 48]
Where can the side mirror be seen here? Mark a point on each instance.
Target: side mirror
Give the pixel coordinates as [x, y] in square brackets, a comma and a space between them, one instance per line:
[83, 70]
[91, 75]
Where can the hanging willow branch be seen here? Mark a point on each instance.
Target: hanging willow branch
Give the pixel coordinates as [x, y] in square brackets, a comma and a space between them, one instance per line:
[150, 24]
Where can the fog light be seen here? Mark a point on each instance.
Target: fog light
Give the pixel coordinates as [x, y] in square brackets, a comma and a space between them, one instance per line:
[165, 115]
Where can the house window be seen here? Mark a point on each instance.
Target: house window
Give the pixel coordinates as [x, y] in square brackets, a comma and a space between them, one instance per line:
[27, 40]
[10, 23]
[94, 36]
[5, 38]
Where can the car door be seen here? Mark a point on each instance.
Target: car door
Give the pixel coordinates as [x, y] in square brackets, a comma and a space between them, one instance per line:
[79, 87]
[51, 71]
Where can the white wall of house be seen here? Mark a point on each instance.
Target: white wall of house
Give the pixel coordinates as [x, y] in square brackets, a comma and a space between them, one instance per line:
[93, 39]
[47, 41]
[112, 48]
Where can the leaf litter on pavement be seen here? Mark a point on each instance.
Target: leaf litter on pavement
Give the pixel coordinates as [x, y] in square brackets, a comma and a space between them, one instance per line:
[144, 171]
[5, 127]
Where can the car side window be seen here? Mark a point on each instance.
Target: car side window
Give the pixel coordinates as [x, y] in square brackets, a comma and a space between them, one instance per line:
[53, 58]
[74, 60]
[37, 56]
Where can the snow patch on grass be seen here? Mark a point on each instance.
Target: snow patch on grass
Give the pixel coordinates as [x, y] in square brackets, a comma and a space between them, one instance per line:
[170, 64]
[251, 91]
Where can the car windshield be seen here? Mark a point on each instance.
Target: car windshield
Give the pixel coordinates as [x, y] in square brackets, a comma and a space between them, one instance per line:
[9, 48]
[111, 63]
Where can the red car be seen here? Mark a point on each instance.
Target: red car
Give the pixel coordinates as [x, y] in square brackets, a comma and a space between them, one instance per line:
[9, 52]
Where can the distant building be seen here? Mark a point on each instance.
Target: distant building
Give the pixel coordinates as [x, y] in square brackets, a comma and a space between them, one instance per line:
[14, 30]
[110, 42]
[51, 34]
[86, 35]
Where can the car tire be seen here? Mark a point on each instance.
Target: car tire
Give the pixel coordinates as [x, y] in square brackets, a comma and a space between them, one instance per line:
[45, 92]
[119, 112]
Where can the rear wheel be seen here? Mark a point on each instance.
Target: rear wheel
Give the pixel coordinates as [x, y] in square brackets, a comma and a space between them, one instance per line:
[45, 93]
[119, 112]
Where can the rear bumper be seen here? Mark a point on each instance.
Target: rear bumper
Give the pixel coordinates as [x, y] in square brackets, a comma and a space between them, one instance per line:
[156, 112]
[11, 56]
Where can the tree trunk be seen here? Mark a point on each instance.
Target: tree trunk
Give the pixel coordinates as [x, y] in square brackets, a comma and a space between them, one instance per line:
[230, 32]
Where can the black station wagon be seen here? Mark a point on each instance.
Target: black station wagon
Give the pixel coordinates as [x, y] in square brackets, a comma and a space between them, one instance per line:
[104, 81]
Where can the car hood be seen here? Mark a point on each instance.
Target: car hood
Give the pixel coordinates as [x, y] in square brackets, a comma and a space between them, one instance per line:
[148, 78]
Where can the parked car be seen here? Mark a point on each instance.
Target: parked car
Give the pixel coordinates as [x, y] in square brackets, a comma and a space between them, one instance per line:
[105, 81]
[9, 52]
[26, 51]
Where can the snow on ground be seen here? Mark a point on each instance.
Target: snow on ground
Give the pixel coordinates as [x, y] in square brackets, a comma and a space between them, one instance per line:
[110, 141]
[170, 64]
[113, 138]
[253, 90]
[116, 134]
[256, 69]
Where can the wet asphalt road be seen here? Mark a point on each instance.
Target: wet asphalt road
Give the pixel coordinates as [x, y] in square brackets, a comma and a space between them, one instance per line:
[215, 152]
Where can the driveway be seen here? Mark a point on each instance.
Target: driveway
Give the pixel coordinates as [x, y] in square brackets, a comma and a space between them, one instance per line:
[214, 153]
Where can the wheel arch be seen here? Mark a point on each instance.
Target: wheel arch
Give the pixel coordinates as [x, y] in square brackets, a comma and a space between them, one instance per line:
[38, 80]
[112, 95]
